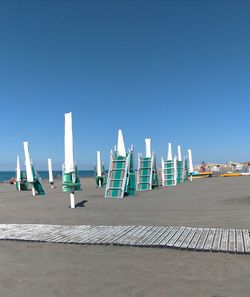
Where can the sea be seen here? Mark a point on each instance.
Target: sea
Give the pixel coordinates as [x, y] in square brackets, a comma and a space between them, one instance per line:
[6, 175]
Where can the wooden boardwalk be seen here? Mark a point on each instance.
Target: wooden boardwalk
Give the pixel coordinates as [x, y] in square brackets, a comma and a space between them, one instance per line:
[185, 238]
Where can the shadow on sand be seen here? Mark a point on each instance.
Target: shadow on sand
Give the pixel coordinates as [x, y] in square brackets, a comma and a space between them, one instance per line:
[81, 203]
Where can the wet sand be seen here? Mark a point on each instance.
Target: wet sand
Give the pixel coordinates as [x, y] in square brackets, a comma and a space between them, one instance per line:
[42, 269]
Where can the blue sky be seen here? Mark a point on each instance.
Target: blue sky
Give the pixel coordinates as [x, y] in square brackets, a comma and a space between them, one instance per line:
[175, 71]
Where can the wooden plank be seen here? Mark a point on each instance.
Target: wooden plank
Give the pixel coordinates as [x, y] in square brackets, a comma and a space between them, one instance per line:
[210, 238]
[3, 228]
[58, 234]
[202, 240]
[172, 241]
[240, 242]
[169, 236]
[188, 239]
[77, 237]
[195, 239]
[6, 229]
[20, 236]
[64, 235]
[116, 236]
[8, 234]
[217, 240]
[183, 236]
[130, 239]
[42, 233]
[246, 240]
[17, 232]
[117, 240]
[232, 241]
[224, 241]
[140, 236]
[55, 235]
[115, 230]
[86, 234]
[34, 233]
[101, 234]
[107, 233]
[154, 237]
[126, 237]
[162, 236]
[73, 236]
[147, 234]
[91, 233]
[11, 233]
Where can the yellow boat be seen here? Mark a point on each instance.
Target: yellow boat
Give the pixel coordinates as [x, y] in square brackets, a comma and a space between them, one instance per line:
[204, 174]
[231, 174]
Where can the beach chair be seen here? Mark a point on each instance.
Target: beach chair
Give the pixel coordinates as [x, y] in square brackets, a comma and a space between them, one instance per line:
[180, 168]
[180, 172]
[186, 170]
[169, 177]
[147, 178]
[169, 169]
[121, 177]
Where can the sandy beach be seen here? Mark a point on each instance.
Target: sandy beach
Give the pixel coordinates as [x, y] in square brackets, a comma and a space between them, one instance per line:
[43, 269]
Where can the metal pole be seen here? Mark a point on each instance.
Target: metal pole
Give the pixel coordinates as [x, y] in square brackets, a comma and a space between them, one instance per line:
[33, 191]
[72, 198]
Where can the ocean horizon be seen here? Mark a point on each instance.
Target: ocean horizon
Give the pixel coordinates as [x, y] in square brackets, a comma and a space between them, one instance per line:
[6, 175]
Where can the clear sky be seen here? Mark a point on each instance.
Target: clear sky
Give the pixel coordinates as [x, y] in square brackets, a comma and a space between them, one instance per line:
[176, 71]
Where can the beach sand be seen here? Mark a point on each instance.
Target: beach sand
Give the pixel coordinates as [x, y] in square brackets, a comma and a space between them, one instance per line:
[46, 269]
